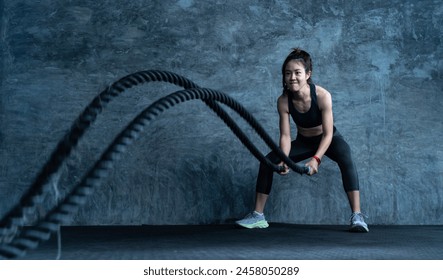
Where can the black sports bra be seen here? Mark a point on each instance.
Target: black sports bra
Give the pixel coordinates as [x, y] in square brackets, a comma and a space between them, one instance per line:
[311, 118]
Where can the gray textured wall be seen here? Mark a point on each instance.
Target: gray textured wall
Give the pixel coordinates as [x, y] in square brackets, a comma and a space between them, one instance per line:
[381, 60]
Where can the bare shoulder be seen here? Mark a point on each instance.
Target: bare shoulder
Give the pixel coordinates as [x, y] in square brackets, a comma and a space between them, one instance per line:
[282, 103]
[321, 91]
[323, 96]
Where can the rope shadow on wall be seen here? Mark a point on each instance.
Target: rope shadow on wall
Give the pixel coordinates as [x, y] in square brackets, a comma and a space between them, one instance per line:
[16, 240]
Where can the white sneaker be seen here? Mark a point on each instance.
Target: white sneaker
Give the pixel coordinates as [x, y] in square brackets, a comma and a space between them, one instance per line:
[253, 220]
[358, 223]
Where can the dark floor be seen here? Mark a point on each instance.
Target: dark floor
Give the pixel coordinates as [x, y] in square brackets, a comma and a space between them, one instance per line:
[227, 242]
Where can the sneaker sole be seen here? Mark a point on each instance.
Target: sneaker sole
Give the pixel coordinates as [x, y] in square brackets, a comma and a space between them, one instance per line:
[256, 225]
[358, 228]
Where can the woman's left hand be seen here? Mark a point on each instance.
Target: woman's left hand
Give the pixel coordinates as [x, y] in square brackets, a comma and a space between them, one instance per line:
[313, 166]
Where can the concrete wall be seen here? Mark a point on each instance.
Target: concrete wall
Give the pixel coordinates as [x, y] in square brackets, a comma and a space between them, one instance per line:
[381, 60]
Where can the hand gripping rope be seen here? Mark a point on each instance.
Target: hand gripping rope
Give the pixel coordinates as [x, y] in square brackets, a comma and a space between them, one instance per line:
[16, 240]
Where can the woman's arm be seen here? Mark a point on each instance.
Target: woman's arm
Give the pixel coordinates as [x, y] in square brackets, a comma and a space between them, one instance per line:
[285, 128]
[325, 105]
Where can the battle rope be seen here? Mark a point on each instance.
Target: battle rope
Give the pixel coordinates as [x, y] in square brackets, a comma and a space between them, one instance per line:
[15, 218]
[30, 238]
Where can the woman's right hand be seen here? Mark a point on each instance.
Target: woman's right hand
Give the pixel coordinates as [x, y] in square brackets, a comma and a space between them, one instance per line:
[285, 169]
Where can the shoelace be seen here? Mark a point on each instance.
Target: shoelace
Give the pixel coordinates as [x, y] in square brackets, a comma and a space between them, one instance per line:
[358, 215]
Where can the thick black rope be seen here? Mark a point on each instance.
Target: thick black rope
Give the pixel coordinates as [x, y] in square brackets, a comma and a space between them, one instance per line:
[30, 238]
[12, 221]
[261, 132]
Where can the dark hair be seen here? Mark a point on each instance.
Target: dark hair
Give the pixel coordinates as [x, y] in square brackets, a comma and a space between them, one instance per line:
[300, 55]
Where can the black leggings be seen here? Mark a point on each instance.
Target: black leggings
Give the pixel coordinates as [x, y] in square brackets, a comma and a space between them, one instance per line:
[305, 147]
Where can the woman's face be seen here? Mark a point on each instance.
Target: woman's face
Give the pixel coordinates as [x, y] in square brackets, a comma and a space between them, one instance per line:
[295, 75]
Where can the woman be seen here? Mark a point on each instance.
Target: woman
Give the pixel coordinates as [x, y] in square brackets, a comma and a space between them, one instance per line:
[310, 106]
